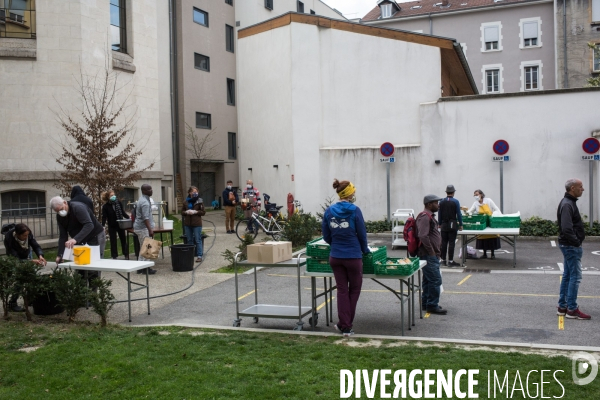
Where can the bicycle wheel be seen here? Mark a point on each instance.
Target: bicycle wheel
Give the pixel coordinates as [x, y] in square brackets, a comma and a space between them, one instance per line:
[241, 230]
[278, 231]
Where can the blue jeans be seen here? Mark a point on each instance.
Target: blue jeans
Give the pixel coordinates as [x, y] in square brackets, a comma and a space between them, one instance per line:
[571, 276]
[194, 236]
[432, 280]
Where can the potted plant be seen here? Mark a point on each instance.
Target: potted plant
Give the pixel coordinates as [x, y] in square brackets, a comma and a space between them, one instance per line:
[46, 302]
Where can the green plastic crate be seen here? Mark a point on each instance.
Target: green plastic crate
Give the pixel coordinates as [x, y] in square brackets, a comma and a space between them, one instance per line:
[473, 219]
[370, 259]
[505, 222]
[317, 265]
[473, 227]
[383, 268]
[320, 251]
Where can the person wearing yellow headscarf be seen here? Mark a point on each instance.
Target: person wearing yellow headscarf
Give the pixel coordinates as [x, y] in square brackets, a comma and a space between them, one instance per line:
[344, 229]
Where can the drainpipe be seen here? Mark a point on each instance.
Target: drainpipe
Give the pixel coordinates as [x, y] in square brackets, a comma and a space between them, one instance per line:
[566, 78]
[430, 25]
[174, 94]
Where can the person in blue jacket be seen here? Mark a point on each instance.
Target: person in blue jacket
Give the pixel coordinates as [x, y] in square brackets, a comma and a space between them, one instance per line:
[344, 229]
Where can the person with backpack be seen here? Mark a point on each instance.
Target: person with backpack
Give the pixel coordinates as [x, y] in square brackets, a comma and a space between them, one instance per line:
[427, 231]
[450, 224]
[19, 242]
[344, 230]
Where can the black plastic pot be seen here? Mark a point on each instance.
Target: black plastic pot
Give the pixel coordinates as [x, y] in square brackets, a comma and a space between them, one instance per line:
[182, 257]
[46, 304]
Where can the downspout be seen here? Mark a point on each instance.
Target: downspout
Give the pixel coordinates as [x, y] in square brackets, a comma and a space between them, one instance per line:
[430, 25]
[566, 78]
[174, 91]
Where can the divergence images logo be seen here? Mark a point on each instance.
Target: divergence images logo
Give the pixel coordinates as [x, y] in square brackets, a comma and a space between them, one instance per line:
[585, 368]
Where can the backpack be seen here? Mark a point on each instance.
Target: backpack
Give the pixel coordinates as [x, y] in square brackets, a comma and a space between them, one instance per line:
[7, 228]
[411, 236]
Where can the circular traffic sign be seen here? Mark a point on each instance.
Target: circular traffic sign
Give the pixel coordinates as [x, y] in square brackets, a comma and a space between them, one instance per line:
[387, 149]
[500, 147]
[591, 145]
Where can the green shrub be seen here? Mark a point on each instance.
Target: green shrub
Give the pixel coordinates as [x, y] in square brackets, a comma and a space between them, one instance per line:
[229, 255]
[8, 267]
[301, 228]
[378, 226]
[102, 300]
[328, 202]
[594, 230]
[71, 291]
[536, 226]
[29, 282]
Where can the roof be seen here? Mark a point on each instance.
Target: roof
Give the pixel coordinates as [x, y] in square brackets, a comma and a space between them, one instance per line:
[427, 7]
[453, 59]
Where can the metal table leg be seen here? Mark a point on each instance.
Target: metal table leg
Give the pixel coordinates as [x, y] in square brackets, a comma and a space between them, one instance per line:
[402, 307]
[420, 296]
[326, 305]
[330, 301]
[237, 321]
[515, 251]
[148, 290]
[129, 293]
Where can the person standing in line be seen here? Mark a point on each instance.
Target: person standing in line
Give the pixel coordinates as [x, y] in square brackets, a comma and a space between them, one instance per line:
[253, 196]
[192, 213]
[484, 205]
[112, 211]
[230, 200]
[571, 235]
[78, 195]
[451, 223]
[344, 229]
[429, 250]
[143, 226]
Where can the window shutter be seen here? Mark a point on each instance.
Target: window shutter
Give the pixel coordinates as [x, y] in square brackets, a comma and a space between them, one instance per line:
[530, 30]
[595, 10]
[491, 34]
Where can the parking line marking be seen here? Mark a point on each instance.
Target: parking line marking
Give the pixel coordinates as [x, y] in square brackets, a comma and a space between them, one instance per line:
[553, 243]
[288, 276]
[561, 323]
[516, 294]
[325, 302]
[561, 267]
[464, 280]
[246, 295]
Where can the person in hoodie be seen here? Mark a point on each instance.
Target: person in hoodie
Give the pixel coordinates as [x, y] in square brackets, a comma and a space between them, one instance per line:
[79, 196]
[344, 229]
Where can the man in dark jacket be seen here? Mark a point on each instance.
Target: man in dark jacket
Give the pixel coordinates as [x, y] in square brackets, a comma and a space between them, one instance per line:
[78, 195]
[450, 223]
[570, 238]
[429, 250]
[230, 200]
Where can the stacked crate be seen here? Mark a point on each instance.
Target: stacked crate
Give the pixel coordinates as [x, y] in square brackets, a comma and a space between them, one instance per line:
[476, 222]
[318, 257]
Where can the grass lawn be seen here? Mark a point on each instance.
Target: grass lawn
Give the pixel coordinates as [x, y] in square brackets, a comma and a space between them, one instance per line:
[83, 361]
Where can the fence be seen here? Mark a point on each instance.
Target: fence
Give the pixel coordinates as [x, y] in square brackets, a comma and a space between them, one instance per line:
[41, 220]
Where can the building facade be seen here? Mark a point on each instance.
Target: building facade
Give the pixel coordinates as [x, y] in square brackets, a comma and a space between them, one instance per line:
[509, 44]
[45, 48]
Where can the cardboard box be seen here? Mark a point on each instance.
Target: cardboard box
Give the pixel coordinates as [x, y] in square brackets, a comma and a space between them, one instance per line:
[269, 252]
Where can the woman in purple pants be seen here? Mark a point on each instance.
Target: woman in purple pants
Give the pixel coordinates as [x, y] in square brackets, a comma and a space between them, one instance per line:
[344, 229]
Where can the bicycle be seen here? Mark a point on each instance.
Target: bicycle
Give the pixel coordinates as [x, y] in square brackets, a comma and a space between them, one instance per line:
[271, 226]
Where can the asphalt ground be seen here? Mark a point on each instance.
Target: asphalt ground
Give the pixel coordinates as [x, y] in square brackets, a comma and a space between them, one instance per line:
[489, 300]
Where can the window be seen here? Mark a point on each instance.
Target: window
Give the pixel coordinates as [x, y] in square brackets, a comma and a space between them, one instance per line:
[531, 78]
[312, 12]
[386, 10]
[595, 10]
[118, 31]
[300, 6]
[203, 121]
[491, 36]
[200, 17]
[127, 196]
[17, 19]
[492, 78]
[230, 92]
[230, 2]
[232, 145]
[530, 32]
[596, 59]
[269, 4]
[202, 62]
[24, 202]
[229, 38]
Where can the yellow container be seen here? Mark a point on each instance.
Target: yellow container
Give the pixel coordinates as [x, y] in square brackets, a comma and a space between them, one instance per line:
[82, 255]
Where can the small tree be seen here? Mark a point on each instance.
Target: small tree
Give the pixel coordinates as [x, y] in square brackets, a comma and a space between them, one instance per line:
[229, 255]
[102, 300]
[29, 282]
[71, 291]
[201, 147]
[98, 150]
[7, 281]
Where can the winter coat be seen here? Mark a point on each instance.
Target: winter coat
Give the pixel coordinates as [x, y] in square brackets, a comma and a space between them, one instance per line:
[344, 229]
[109, 214]
[80, 224]
[13, 248]
[196, 219]
[78, 195]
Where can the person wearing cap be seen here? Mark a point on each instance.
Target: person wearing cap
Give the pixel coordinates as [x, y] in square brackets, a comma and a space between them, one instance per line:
[344, 230]
[429, 250]
[450, 223]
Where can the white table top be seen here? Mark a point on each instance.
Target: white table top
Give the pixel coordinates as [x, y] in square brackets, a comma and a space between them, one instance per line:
[110, 265]
[293, 262]
[422, 263]
[492, 231]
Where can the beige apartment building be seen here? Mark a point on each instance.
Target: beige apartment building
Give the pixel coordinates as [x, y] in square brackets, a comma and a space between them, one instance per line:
[204, 36]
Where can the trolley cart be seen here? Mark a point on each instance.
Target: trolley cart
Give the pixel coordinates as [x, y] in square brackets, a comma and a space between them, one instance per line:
[508, 235]
[400, 215]
[408, 297]
[269, 310]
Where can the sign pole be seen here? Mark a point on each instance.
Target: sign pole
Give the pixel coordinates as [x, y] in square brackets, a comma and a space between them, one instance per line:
[387, 170]
[501, 187]
[591, 189]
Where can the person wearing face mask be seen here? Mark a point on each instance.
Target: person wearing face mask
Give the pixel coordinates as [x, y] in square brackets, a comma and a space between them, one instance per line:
[143, 226]
[192, 212]
[253, 196]
[344, 229]
[76, 220]
[230, 200]
[112, 211]
[19, 242]
[483, 205]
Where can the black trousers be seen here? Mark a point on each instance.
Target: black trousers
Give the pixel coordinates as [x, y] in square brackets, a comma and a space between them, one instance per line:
[112, 234]
[448, 242]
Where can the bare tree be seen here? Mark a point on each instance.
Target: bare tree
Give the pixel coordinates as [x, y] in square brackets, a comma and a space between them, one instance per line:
[201, 147]
[98, 149]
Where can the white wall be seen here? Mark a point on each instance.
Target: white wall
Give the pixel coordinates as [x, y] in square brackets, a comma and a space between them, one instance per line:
[250, 12]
